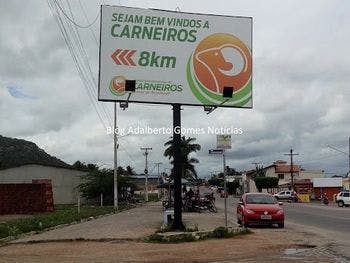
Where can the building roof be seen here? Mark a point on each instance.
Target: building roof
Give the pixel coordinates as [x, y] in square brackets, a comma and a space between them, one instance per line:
[328, 182]
[18, 152]
[285, 168]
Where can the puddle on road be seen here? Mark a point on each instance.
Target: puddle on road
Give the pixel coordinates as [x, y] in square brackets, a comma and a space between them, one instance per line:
[297, 250]
[293, 251]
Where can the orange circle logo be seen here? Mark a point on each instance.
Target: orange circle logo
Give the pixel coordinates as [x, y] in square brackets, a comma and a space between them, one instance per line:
[222, 60]
[117, 85]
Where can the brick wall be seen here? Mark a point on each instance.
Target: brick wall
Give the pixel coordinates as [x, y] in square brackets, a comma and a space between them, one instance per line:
[23, 198]
[330, 191]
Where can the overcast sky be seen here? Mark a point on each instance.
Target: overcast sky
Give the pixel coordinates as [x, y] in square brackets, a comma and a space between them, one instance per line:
[301, 89]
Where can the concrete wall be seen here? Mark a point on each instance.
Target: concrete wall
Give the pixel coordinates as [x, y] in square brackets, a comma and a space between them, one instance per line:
[310, 174]
[64, 181]
[346, 183]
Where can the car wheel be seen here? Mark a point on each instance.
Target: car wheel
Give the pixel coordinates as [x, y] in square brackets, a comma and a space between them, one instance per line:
[281, 225]
[244, 223]
[341, 203]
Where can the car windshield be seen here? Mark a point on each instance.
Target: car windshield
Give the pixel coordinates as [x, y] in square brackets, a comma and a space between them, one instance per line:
[260, 199]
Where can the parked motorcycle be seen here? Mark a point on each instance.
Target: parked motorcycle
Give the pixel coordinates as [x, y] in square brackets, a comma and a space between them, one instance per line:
[324, 199]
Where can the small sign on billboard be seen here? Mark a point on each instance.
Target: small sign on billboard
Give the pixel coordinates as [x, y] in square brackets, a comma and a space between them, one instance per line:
[223, 141]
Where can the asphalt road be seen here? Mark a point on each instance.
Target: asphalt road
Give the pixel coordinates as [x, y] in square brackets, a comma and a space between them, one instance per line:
[330, 218]
[330, 223]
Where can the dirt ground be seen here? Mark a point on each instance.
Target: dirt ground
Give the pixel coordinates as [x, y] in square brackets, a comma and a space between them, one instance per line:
[264, 245]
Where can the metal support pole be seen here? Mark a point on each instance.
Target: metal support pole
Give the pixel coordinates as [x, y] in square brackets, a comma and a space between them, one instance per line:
[158, 179]
[146, 175]
[115, 178]
[225, 189]
[146, 170]
[291, 170]
[177, 224]
[78, 204]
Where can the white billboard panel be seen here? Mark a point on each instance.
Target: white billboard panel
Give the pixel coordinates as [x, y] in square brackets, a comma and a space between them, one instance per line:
[175, 57]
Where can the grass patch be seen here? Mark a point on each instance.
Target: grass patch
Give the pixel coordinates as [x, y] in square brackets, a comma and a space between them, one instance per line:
[180, 237]
[156, 238]
[63, 214]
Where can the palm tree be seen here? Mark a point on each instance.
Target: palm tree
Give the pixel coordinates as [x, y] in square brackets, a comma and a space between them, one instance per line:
[187, 147]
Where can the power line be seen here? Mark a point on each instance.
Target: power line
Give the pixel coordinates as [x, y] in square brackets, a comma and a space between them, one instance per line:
[87, 20]
[79, 58]
[72, 20]
[85, 58]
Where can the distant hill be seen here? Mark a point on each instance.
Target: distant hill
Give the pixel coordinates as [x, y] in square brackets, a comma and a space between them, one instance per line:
[18, 152]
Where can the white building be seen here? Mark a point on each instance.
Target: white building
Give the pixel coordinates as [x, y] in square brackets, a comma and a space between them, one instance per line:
[64, 181]
[282, 171]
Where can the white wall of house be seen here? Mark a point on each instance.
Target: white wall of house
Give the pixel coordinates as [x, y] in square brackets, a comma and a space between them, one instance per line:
[285, 178]
[251, 186]
[346, 183]
[310, 174]
[64, 181]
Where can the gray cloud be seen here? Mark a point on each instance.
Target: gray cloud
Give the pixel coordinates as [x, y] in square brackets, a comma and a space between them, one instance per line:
[301, 94]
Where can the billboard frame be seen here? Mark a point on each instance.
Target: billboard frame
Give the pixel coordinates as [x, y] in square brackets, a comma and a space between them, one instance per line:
[221, 105]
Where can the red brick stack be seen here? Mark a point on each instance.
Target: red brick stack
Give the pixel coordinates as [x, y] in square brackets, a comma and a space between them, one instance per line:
[48, 197]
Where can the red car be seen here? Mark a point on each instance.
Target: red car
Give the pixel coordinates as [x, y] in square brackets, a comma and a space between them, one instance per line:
[259, 209]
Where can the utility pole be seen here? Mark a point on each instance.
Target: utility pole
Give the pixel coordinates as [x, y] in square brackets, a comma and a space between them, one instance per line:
[291, 154]
[115, 175]
[146, 170]
[158, 178]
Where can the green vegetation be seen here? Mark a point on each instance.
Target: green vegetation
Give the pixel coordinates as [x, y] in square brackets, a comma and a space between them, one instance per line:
[215, 181]
[265, 182]
[232, 187]
[17, 152]
[221, 232]
[190, 236]
[169, 229]
[63, 214]
[187, 147]
[100, 181]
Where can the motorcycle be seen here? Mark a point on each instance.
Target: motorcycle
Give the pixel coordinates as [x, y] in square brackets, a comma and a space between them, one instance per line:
[324, 200]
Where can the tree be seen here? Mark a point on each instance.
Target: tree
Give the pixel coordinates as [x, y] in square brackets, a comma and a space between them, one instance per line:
[215, 181]
[260, 171]
[232, 187]
[85, 167]
[187, 147]
[130, 170]
[101, 181]
[265, 182]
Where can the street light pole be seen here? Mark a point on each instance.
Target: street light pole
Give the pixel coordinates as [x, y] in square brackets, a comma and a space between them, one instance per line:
[158, 178]
[146, 170]
[225, 190]
[115, 175]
